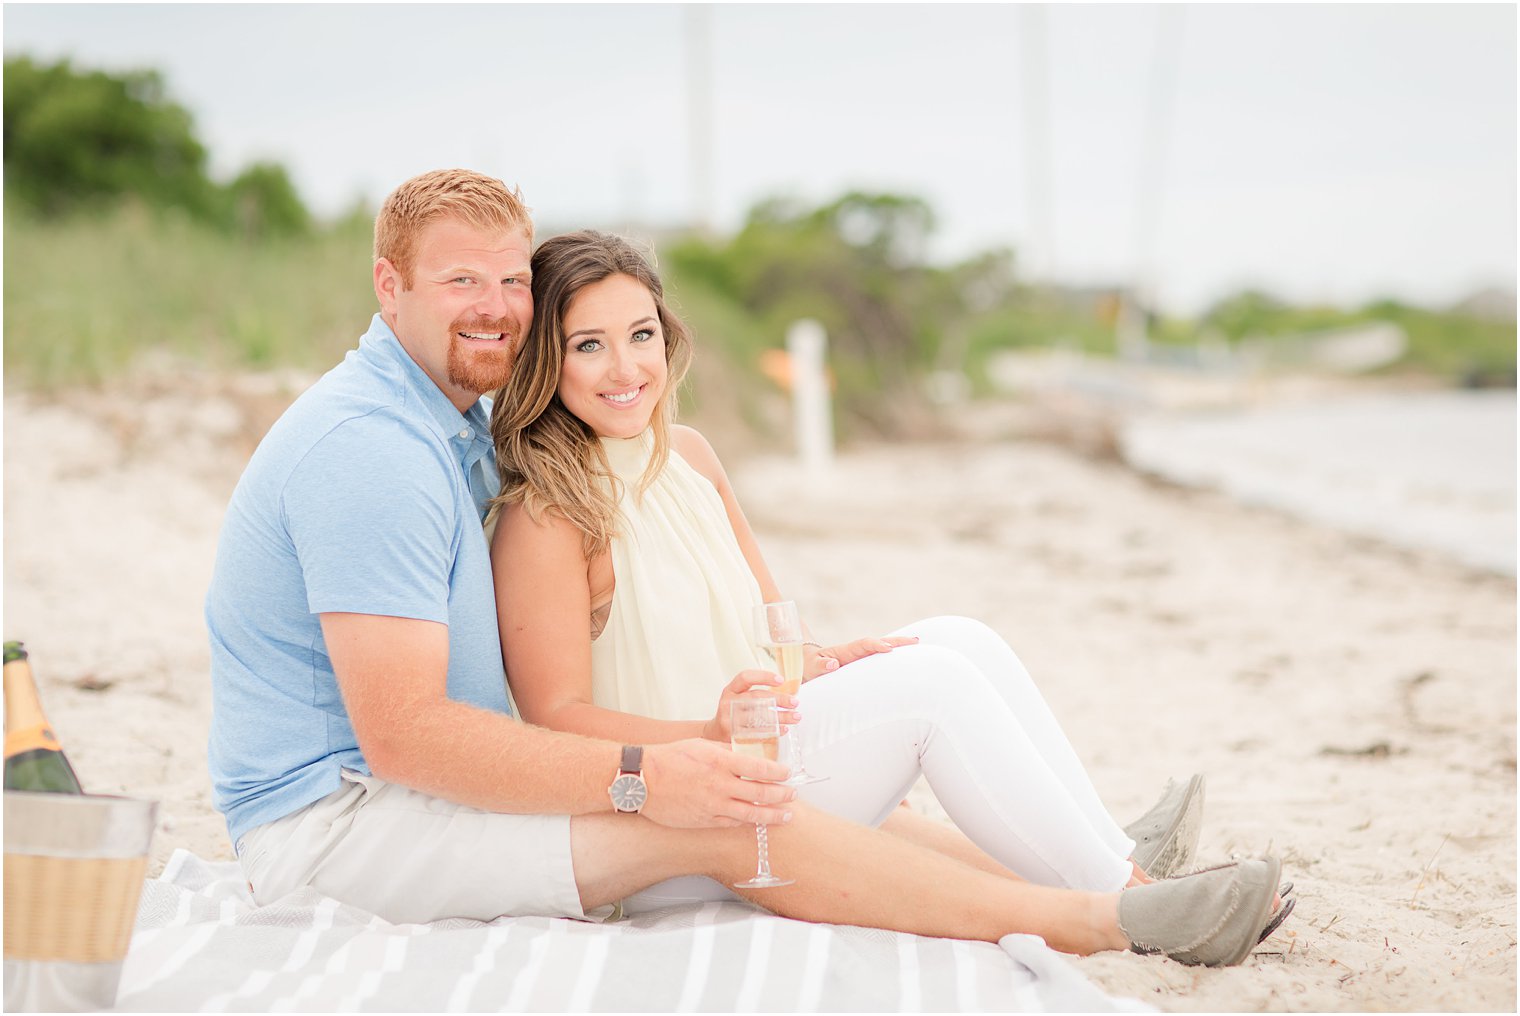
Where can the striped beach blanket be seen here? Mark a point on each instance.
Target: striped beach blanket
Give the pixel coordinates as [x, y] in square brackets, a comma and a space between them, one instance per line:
[202, 945]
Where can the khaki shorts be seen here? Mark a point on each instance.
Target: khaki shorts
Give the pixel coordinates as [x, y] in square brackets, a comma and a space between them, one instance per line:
[411, 858]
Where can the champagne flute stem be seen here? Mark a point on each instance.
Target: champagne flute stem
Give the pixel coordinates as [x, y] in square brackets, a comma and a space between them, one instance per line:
[795, 743]
[763, 846]
[800, 776]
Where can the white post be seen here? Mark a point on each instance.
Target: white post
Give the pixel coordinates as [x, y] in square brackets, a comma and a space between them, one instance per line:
[699, 114]
[806, 344]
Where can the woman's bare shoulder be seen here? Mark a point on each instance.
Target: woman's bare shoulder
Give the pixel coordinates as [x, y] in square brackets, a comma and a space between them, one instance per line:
[698, 453]
[519, 533]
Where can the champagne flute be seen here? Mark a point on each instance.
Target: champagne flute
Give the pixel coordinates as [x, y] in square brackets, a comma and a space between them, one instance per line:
[754, 731]
[778, 631]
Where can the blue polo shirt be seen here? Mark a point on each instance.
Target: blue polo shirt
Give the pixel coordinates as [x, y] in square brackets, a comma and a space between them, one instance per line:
[365, 497]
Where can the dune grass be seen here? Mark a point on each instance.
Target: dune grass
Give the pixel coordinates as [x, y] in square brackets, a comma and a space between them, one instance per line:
[85, 296]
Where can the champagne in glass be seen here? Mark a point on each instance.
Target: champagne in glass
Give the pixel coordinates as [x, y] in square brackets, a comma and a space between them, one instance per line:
[756, 747]
[778, 631]
[787, 656]
[754, 731]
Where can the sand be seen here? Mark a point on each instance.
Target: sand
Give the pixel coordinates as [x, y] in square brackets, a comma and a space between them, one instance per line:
[1352, 704]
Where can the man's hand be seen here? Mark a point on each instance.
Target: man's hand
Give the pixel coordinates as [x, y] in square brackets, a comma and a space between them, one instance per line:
[830, 659]
[759, 682]
[697, 784]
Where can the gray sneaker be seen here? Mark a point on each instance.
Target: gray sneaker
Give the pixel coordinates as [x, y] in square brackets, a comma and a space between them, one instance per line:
[1210, 918]
[1166, 837]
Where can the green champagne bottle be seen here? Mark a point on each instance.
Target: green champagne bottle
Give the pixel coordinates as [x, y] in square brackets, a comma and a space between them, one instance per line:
[33, 758]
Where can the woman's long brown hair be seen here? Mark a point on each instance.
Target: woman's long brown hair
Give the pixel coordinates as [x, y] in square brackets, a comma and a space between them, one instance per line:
[549, 460]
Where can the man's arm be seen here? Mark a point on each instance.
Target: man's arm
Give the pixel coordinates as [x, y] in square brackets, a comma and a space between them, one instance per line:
[393, 674]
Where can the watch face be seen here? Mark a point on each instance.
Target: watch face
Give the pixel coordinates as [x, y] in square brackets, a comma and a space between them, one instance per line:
[628, 793]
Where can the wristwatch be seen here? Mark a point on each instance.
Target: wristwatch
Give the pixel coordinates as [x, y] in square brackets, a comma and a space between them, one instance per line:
[628, 790]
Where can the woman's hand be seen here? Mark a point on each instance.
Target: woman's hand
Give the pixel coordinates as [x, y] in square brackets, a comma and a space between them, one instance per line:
[757, 682]
[829, 659]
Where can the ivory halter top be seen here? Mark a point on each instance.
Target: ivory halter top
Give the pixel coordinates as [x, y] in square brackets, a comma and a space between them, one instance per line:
[679, 628]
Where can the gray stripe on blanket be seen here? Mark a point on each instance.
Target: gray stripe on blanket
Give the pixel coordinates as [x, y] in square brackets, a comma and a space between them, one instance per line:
[201, 945]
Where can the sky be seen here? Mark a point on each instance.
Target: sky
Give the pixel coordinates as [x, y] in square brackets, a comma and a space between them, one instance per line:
[1334, 153]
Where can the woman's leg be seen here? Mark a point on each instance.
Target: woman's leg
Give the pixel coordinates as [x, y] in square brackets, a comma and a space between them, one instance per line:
[875, 726]
[1002, 668]
[998, 665]
[676, 892]
[907, 824]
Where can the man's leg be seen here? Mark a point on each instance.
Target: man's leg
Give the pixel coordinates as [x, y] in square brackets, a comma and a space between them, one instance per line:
[902, 823]
[845, 874]
[412, 858]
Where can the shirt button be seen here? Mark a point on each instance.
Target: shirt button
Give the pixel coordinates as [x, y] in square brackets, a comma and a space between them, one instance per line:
[467, 433]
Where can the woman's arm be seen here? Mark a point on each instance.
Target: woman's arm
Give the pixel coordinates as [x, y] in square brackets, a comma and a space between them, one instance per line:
[543, 609]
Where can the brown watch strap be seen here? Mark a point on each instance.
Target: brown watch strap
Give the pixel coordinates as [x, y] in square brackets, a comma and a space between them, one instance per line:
[633, 759]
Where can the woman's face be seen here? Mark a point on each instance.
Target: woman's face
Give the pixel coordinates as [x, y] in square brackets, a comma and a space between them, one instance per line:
[614, 372]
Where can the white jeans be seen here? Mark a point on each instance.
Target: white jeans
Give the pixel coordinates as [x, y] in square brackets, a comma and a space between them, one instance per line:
[959, 709]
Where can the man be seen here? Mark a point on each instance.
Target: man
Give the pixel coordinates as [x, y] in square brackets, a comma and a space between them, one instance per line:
[361, 738]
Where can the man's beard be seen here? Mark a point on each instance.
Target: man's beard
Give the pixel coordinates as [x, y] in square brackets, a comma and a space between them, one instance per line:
[481, 370]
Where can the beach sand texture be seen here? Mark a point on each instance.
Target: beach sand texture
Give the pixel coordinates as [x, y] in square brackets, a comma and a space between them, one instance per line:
[1352, 704]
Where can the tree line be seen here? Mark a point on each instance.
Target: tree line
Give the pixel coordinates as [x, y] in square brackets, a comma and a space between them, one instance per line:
[79, 144]
[80, 140]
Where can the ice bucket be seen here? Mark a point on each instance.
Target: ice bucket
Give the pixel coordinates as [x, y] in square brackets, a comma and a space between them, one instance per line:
[74, 867]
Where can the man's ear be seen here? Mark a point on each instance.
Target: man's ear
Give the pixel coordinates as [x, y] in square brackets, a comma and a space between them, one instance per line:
[387, 286]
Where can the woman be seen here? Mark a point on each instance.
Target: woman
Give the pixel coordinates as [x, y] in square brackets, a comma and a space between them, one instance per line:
[614, 523]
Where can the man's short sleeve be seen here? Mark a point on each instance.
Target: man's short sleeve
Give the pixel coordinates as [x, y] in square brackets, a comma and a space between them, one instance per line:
[371, 510]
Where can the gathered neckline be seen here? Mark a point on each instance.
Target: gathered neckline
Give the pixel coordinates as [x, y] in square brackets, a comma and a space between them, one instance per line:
[628, 456]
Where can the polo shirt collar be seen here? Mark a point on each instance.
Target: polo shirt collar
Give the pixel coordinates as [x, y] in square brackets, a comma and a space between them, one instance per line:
[381, 342]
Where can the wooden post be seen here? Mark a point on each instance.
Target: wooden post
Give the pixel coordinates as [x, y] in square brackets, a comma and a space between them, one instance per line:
[812, 416]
